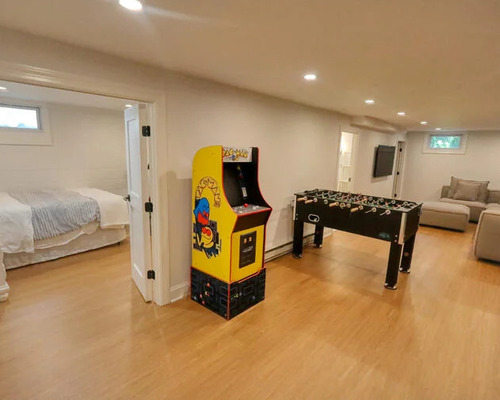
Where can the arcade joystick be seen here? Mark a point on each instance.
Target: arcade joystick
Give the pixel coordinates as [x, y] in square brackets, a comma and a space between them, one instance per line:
[245, 205]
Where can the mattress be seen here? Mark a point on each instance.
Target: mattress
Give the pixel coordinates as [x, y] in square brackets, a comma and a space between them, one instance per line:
[29, 221]
[90, 237]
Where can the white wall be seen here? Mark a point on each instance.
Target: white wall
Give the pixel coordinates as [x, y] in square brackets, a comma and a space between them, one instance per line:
[88, 149]
[298, 151]
[425, 174]
[364, 182]
[299, 145]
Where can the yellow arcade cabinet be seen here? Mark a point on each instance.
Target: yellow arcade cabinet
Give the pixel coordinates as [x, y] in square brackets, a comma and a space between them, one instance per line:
[229, 227]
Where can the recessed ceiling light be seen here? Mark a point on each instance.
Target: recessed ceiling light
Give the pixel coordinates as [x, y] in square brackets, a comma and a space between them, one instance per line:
[132, 5]
[402, 113]
[128, 105]
[370, 101]
[423, 123]
[438, 129]
[310, 77]
[3, 88]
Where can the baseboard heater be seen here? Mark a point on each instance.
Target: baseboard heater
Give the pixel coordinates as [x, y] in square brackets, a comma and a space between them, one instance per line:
[286, 248]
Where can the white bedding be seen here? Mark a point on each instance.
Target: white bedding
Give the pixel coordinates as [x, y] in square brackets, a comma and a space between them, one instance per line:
[16, 228]
[114, 210]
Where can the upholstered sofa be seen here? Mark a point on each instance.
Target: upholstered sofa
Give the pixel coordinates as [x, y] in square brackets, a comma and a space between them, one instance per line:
[487, 239]
[476, 205]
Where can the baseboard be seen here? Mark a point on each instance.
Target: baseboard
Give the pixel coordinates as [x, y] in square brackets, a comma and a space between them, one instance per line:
[287, 247]
[4, 292]
[178, 292]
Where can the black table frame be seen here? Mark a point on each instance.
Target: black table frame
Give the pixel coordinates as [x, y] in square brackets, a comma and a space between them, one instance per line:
[399, 229]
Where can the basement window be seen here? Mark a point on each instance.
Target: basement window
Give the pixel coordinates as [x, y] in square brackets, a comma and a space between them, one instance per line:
[23, 123]
[445, 143]
[19, 117]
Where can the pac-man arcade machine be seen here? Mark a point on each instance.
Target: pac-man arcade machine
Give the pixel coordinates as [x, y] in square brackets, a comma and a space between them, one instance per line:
[229, 228]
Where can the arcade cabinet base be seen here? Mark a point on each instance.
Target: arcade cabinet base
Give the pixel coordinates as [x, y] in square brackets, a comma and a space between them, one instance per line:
[227, 299]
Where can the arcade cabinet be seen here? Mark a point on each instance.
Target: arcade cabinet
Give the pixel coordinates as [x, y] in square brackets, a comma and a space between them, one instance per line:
[229, 218]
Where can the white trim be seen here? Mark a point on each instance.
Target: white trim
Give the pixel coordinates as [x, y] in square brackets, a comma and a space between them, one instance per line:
[179, 292]
[354, 157]
[4, 292]
[397, 186]
[427, 138]
[157, 98]
[286, 248]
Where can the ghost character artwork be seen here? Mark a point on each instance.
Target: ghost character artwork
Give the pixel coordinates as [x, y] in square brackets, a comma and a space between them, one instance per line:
[205, 234]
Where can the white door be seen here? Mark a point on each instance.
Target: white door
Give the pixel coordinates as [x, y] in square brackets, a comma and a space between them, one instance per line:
[398, 173]
[346, 162]
[138, 190]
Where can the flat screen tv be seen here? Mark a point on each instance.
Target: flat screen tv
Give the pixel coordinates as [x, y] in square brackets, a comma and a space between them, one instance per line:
[384, 161]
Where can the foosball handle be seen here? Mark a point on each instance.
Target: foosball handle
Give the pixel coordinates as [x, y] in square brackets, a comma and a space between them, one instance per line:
[308, 201]
[302, 199]
[334, 204]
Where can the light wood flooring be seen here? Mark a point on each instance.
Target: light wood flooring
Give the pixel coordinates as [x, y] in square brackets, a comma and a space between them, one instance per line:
[77, 328]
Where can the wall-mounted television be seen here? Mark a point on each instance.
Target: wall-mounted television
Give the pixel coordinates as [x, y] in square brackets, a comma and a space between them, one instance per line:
[384, 161]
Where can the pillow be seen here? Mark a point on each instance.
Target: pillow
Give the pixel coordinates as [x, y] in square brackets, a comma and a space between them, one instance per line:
[494, 196]
[467, 191]
[483, 190]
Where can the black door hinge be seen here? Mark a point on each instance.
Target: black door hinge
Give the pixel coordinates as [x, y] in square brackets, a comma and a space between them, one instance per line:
[151, 274]
[148, 207]
[146, 131]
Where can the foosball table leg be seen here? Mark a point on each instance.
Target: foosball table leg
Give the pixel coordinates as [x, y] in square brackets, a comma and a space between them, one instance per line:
[407, 255]
[318, 236]
[391, 279]
[298, 238]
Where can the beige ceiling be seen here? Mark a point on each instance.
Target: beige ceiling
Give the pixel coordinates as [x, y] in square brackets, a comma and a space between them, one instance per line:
[438, 60]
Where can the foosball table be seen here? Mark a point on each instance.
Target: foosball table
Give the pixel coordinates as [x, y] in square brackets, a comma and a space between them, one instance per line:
[395, 221]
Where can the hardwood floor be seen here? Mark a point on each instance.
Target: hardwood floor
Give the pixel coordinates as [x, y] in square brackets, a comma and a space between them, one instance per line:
[77, 328]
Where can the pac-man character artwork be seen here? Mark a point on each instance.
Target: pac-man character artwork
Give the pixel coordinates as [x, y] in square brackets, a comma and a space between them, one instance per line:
[205, 234]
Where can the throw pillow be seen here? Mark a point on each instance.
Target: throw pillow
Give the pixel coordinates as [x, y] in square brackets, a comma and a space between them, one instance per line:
[494, 196]
[483, 191]
[468, 191]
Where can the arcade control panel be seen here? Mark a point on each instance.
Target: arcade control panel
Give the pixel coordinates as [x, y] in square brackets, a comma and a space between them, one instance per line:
[248, 208]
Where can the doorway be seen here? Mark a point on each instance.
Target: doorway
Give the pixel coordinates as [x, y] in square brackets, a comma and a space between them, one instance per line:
[398, 172]
[347, 161]
[89, 147]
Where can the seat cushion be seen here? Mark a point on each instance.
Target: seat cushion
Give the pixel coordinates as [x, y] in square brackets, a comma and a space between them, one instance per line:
[445, 215]
[476, 207]
[445, 207]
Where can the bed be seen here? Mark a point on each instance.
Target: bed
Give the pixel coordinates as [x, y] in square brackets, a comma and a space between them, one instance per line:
[42, 226]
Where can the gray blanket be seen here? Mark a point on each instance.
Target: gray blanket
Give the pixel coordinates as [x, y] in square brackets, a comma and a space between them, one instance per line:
[58, 212]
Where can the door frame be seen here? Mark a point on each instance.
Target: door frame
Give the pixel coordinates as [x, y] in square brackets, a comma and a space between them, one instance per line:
[399, 164]
[354, 156]
[157, 103]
